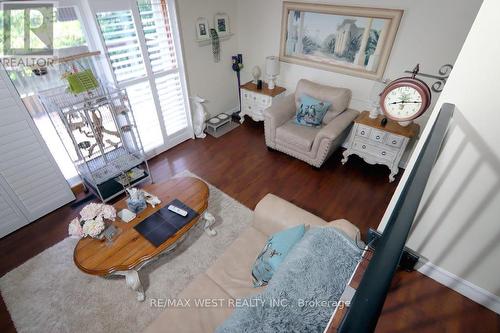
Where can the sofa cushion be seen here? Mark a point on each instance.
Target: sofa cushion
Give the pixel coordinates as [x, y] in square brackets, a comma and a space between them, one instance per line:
[302, 137]
[339, 97]
[311, 111]
[194, 318]
[233, 269]
[274, 252]
[273, 214]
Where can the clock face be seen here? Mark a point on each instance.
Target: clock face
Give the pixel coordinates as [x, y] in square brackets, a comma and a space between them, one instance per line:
[405, 100]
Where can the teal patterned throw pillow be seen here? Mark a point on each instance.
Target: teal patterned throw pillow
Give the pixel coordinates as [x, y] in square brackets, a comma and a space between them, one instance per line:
[273, 254]
[311, 111]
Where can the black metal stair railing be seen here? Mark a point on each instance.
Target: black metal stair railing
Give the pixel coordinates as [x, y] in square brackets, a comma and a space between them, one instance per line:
[368, 301]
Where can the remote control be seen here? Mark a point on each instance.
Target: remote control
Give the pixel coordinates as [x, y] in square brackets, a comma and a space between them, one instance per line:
[177, 210]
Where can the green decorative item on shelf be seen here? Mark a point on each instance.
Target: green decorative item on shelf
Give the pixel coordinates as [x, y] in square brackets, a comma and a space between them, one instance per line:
[82, 81]
[215, 44]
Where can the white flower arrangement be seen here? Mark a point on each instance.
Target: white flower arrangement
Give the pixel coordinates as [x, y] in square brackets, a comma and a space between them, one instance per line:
[94, 210]
[92, 220]
[93, 228]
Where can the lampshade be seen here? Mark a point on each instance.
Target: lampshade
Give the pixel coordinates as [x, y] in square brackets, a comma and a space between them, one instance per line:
[272, 66]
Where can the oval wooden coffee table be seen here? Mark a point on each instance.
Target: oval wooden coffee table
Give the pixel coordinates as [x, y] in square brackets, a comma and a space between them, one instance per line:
[130, 251]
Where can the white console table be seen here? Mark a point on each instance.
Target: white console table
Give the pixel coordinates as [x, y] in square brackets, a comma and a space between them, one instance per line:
[254, 101]
[378, 144]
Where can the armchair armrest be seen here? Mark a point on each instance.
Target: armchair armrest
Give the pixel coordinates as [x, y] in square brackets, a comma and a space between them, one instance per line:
[273, 214]
[337, 126]
[275, 116]
[281, 111]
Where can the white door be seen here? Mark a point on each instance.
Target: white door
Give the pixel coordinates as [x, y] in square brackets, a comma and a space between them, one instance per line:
[141, 42]
[11, 217]
[31, 184]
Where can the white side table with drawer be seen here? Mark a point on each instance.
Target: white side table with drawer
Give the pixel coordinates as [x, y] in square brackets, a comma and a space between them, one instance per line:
[378, 144]
[254, 101]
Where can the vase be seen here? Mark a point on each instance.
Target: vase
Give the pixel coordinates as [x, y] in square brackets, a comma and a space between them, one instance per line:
[136, 205]
[100, 236]
[109, 234]
[107, 224]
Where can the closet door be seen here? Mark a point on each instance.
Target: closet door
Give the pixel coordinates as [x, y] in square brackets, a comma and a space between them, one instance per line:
[29, 176]
[11, 217]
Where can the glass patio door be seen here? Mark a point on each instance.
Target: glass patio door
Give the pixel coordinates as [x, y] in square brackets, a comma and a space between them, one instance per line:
[143, 52]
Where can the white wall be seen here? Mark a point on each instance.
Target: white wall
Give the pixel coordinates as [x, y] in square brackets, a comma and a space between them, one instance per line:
[214, 81]
[458, 225]
[439, 25]
[431, 33]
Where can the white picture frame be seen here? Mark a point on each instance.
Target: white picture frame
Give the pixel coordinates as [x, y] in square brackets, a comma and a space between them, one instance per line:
[345, 39]
[202, 29]
[221, 24]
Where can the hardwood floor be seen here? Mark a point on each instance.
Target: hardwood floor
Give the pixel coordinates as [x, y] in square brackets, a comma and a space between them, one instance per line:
[240, 165]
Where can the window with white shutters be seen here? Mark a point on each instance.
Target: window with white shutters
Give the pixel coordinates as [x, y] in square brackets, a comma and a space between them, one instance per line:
[122, 44]
[172, 103]
[142, 102]
[160, 45]
[144, 55]
[158, 34]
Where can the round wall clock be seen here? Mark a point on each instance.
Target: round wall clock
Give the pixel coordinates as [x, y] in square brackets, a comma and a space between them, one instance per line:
[405, 99]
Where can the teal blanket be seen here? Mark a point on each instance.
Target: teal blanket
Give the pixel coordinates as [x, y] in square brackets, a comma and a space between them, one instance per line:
[303, 293]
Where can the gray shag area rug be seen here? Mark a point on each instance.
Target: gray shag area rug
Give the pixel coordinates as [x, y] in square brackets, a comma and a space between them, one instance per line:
[49, 294]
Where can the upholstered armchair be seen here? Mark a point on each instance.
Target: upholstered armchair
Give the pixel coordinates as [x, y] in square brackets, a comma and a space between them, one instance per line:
[313, 145]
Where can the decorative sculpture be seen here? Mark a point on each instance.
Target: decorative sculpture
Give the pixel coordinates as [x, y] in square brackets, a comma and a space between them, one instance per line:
[256, 73]
[200, 116]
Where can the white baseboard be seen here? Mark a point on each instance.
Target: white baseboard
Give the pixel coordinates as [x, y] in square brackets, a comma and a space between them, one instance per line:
[233, 110]
[464, 287]
[228, 112]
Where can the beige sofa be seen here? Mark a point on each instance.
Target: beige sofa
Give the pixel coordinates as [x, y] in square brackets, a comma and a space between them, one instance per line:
[229, 278]
[310, 144]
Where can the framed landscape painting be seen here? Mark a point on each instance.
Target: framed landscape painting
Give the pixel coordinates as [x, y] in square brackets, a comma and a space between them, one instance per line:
[349, 40]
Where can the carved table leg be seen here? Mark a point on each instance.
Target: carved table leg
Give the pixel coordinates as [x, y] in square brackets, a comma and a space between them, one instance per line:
[134, 283]
[209, 221]
[346, 156]
[394, 172]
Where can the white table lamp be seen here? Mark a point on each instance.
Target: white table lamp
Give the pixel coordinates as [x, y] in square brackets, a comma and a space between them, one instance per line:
[272, 71]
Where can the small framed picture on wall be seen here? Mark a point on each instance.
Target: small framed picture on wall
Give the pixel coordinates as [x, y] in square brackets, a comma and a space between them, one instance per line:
[202, 28]
[221, 24]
